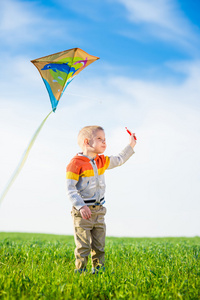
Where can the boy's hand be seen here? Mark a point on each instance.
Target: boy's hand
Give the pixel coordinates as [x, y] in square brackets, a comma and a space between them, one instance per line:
[85, 212]
[132, 140]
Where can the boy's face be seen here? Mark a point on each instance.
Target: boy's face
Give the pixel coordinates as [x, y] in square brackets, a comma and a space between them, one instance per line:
[98, 143]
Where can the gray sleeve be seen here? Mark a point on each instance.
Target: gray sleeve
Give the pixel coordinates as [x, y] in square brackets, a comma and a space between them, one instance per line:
[73, 194]
[121, 158]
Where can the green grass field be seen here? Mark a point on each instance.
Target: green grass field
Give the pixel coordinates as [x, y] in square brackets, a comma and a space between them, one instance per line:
[39, 266]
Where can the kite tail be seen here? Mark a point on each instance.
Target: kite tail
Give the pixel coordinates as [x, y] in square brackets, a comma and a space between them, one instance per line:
[23, 159]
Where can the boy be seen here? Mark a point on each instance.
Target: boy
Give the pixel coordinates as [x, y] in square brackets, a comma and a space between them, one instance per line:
[86, 188]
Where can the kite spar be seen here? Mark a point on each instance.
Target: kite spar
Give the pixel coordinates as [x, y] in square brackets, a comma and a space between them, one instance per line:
[57, 71]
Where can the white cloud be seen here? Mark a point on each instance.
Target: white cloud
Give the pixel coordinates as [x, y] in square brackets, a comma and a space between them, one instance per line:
[23, 22]
[156, 12]
[163, 19]
[17, 21]
[93, 11]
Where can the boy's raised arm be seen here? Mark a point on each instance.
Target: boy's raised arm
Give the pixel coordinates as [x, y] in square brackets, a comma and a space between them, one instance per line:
[124, 155]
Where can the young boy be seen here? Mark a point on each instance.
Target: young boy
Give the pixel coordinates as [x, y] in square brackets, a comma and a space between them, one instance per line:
[86, 189]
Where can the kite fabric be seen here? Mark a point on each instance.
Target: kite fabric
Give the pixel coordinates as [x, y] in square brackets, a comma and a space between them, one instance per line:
[57, 71]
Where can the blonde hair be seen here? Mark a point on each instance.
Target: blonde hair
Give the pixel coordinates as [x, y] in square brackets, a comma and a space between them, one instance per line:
[87, 132]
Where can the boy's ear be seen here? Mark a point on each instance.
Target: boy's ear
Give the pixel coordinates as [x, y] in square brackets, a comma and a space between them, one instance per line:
[86, 141]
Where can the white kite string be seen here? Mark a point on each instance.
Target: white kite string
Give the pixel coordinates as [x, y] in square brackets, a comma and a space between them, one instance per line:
[23, 159]
[82, 96]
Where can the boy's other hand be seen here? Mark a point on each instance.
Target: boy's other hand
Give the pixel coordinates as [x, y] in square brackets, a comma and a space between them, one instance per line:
[85, 212]
[132, 140]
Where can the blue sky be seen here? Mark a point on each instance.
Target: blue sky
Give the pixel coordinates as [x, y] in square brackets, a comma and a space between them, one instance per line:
[147, 78]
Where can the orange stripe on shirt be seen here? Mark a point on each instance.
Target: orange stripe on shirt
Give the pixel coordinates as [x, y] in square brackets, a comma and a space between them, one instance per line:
[72, 167]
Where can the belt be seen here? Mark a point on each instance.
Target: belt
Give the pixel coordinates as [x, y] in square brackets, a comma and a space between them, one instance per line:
[94, 201]
[95, 206]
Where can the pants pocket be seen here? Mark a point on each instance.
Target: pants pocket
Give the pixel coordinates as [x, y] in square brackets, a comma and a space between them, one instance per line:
[75, 212]
[104, 210]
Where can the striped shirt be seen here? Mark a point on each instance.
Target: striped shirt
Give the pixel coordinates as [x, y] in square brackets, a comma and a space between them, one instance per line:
[85, 177]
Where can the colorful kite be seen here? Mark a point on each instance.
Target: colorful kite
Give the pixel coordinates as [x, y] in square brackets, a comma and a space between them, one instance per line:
[57, 71]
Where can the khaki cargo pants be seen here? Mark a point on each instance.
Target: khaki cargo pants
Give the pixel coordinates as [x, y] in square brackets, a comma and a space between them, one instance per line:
[89, 236]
